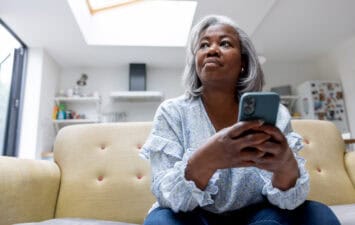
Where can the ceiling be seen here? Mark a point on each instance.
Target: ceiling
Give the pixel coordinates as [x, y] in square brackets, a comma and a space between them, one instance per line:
[282, 30]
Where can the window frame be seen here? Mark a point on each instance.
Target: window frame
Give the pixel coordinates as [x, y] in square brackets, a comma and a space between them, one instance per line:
[16, 97]
[93, 10]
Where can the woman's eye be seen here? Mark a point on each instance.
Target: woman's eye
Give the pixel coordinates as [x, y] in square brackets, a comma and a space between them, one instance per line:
[204, 45]
[225, 44]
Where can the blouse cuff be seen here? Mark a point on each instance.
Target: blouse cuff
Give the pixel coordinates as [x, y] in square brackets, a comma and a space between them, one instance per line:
[294, 140]
[293, 197]
[203, 197]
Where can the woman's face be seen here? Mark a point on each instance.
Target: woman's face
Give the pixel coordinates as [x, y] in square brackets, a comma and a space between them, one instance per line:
[218, 57]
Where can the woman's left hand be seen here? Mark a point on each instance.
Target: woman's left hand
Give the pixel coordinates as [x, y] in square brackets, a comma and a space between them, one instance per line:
[277, 158]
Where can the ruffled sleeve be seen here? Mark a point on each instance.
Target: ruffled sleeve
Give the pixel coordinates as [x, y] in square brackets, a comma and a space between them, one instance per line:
[168, 157]
[296, 195]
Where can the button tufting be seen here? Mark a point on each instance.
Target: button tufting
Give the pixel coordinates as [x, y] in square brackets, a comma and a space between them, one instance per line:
[139, 146]
[100, 178]
[319, 170]
[139, 177]
[102, 147]
[306, 141]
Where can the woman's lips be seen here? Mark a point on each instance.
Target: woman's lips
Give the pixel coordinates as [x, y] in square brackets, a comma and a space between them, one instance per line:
[212, 62]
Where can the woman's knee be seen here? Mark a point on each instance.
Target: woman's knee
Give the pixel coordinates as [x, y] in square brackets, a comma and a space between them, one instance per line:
[313, 207]
[165, 216]
[160, 216]
[317, 213]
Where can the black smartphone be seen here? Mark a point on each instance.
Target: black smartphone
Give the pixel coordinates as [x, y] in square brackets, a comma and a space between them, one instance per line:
[259, 106]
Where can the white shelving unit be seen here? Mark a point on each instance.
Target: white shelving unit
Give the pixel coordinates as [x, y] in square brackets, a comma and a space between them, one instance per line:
[129, 101]
[289, 101]
[136, 96]
[96, 101]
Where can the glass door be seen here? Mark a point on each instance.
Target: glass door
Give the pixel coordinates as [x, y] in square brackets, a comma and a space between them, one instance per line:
[12, 52]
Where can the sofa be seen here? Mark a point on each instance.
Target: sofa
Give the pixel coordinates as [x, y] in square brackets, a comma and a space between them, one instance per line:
[97, 176]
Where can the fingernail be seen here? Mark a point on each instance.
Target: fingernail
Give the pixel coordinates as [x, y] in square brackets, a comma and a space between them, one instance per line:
[261, 122]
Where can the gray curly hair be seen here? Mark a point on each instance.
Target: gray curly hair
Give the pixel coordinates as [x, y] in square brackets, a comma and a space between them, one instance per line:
[252, 79]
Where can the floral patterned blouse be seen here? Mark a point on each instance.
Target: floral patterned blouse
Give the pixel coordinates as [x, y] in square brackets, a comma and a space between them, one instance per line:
[180, 126]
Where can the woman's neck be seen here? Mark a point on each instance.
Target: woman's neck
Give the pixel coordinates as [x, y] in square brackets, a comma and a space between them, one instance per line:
[221, 107]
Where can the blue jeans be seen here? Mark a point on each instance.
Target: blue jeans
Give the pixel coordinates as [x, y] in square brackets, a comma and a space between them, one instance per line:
[309, 213]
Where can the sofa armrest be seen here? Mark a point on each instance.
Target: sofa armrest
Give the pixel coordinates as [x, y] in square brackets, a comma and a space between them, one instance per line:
[350, 165]
[28, 190]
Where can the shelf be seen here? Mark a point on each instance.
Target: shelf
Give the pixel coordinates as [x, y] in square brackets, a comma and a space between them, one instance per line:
[289, 97]
[137, 95]
[75, 121]
[289, 101]
[76, 99]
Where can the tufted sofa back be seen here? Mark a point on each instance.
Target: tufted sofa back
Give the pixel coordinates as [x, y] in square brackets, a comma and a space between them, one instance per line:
[324, 151]
[102, 175]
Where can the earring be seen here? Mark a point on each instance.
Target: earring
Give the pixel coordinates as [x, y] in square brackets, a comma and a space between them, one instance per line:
[242, 70]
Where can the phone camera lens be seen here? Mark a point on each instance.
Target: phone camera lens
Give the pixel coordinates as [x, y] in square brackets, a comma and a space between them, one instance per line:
[250, 101]
[248, 110]
[249, 106]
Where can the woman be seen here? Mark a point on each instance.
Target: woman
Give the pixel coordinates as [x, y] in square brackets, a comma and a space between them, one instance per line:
[206, 168]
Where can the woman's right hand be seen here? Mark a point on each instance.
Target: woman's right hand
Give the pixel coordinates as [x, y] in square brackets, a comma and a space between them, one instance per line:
[231, 147]
[228, 148]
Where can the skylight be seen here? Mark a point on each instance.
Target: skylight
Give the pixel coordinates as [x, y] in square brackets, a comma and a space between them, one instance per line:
[134, 22]
[101, 5]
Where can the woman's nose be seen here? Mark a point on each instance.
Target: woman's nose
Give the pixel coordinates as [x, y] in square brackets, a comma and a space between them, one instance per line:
[213, 50]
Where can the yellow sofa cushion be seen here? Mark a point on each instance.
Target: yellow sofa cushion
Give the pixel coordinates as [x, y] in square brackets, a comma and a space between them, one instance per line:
[324, 152]
[350, 165]
[102, 175]
[28, 190]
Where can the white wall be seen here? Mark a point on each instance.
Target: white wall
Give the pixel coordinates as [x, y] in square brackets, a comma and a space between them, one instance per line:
[30, 114]
[46, 130]
[289, 73]
[37, 133]
[45, 79]
[106, 80]
[340, 63]
[168, 81]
